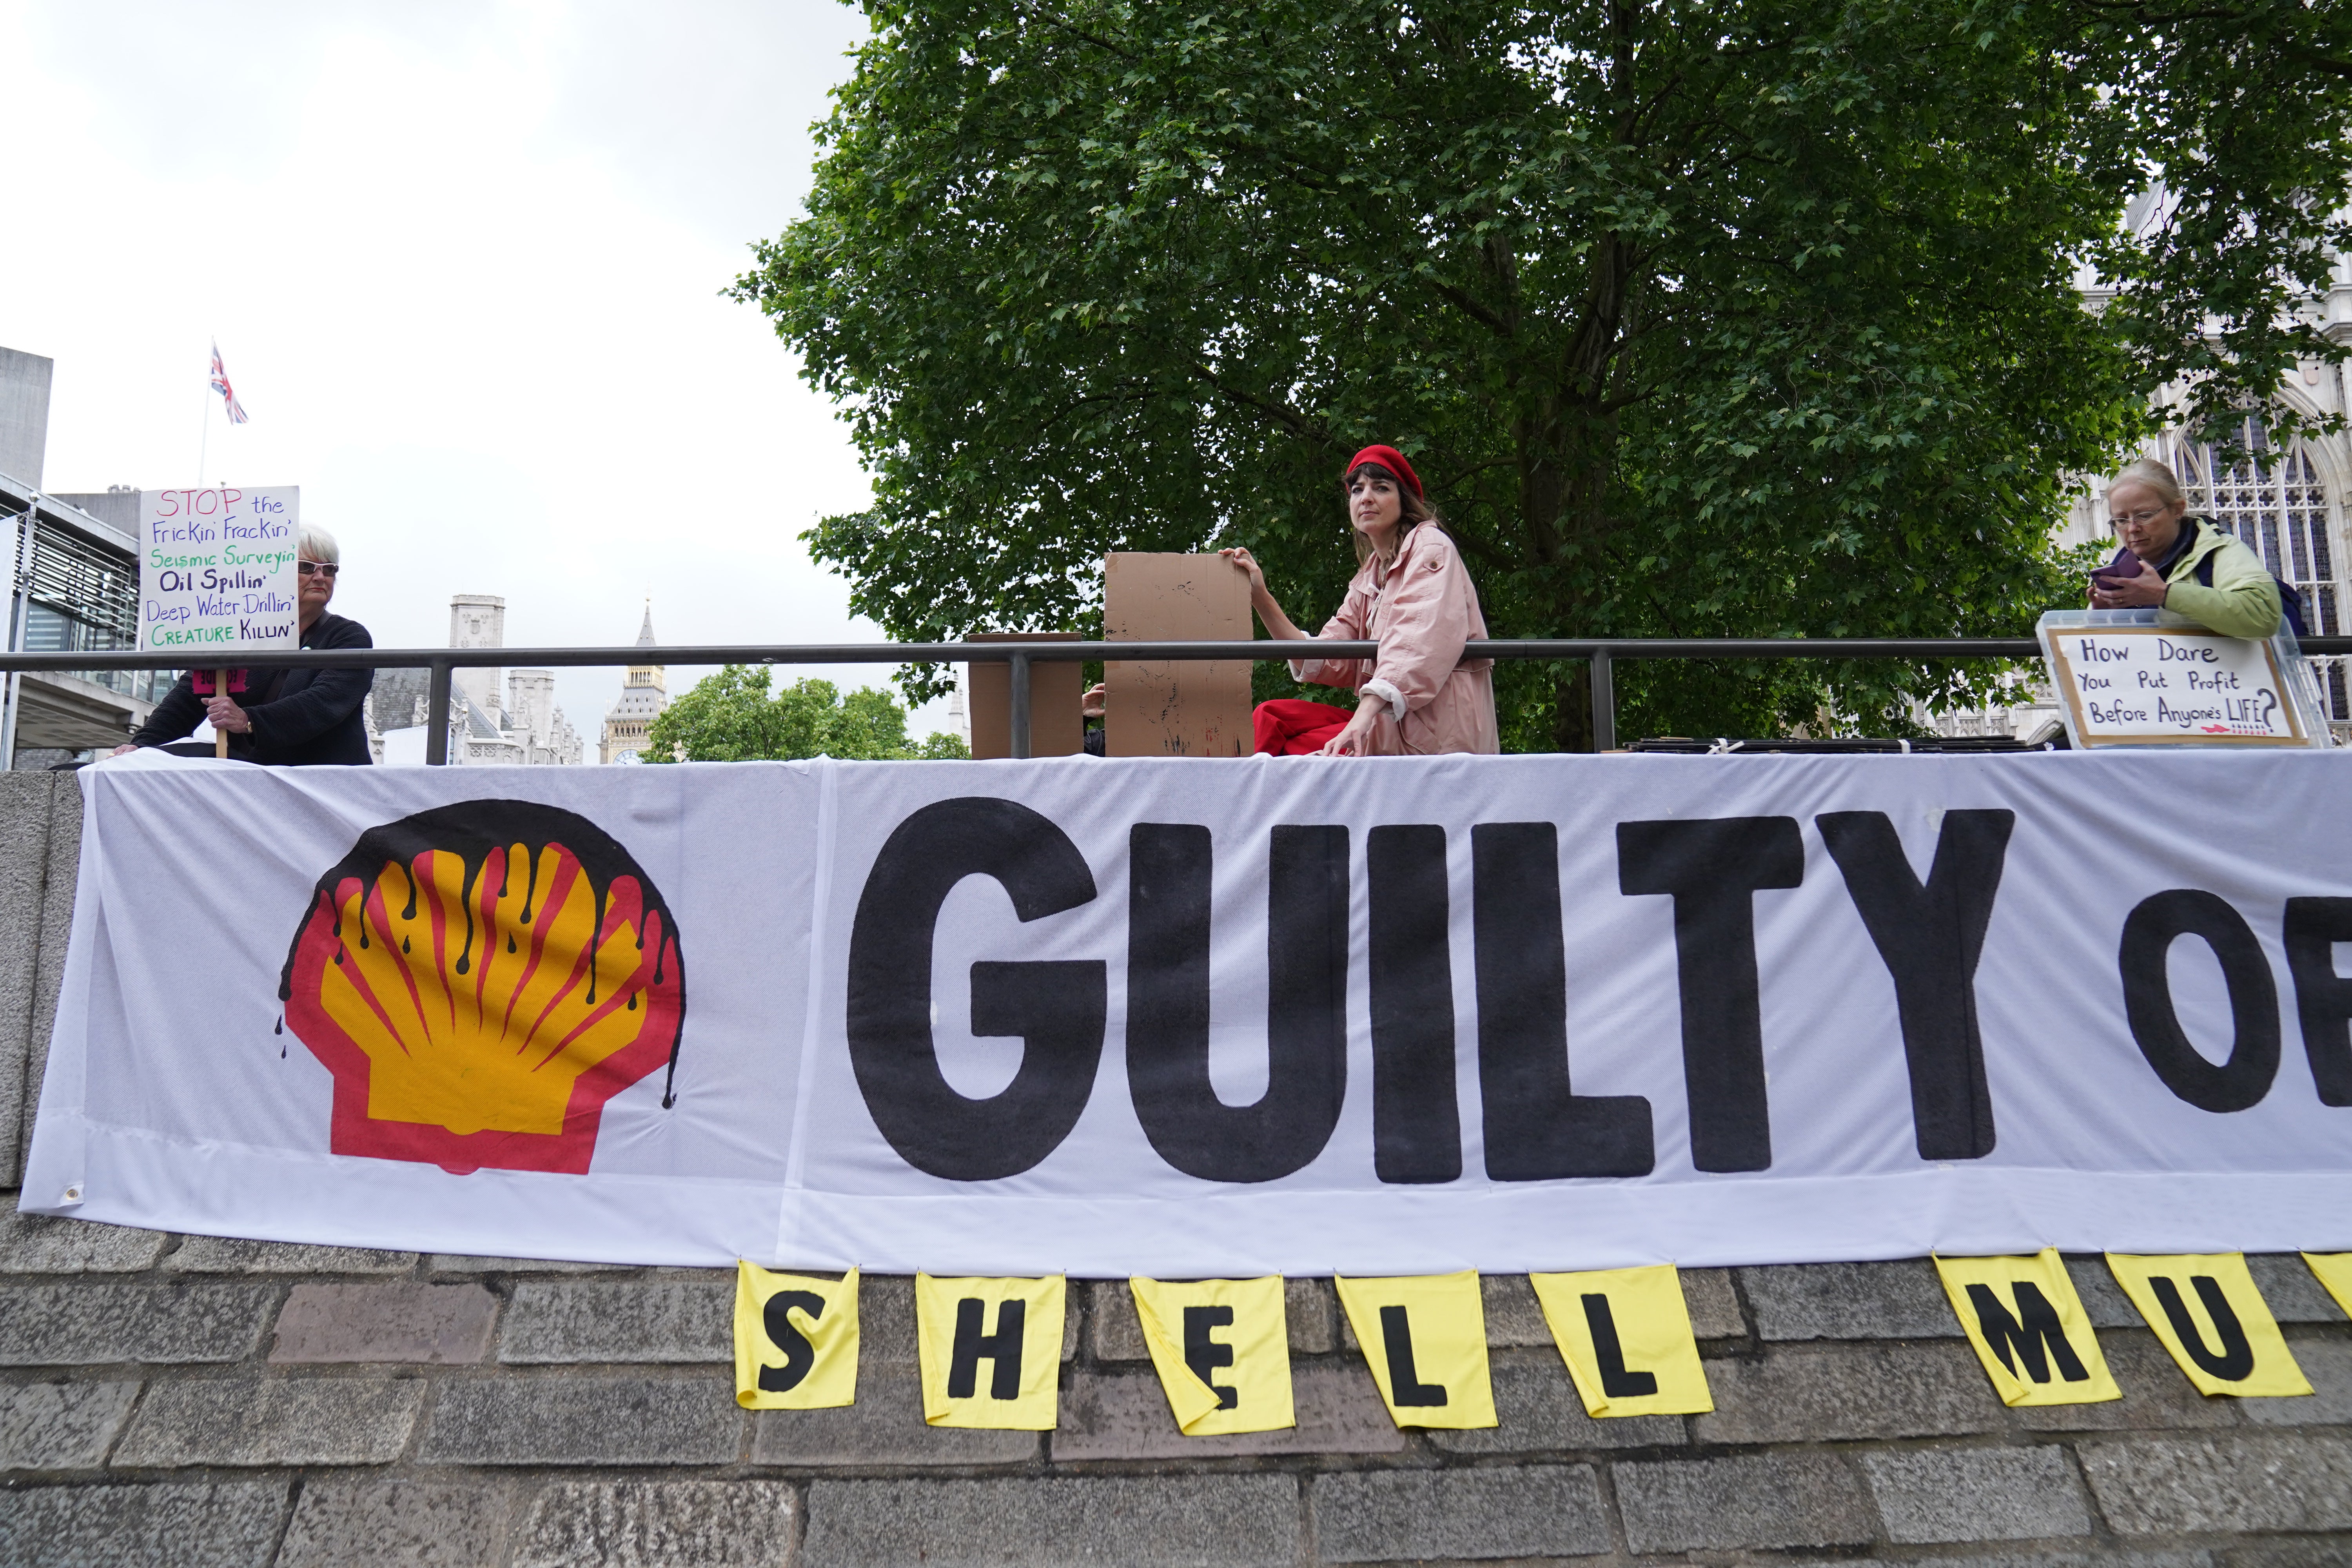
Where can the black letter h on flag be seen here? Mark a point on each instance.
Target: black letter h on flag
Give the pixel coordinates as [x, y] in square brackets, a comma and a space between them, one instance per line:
[1002, 1348]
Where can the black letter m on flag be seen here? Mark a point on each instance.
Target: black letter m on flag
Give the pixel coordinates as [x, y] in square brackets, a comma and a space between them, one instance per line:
[2036, 1339]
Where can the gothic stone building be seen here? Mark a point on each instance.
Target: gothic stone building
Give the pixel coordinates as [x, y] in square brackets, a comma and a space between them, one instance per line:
[642, 697]
[2286, 501]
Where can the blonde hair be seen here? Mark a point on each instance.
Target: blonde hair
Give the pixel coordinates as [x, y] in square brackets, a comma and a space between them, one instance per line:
[2156, 477]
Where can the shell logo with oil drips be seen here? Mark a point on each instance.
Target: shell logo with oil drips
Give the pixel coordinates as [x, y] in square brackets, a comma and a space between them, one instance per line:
[480, 979]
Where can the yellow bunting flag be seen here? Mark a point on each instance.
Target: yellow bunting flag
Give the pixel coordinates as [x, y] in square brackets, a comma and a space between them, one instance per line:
[2205, 1309]
[1425, 1337]
[2028, 1329]
[2334, 1271]
[796, 1340]
[991, 1351]
[1223, 1351]
[1626, 1336]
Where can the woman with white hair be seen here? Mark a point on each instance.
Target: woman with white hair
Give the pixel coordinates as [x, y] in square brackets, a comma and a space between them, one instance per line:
[284, 716]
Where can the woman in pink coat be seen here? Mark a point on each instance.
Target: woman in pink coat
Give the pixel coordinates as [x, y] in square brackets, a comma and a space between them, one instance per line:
[1411, 595]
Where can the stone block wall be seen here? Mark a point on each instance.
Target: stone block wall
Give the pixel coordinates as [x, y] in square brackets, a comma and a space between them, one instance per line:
[196, 1401]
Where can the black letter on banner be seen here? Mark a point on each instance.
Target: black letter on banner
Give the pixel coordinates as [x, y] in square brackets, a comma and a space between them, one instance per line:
[1416, 1126]
[1536, 1129]
[1405, 1387]
[2321, 996]
[1058, 1008]
[2032, 1337]
[1168, 1003]
[1712, 866]
[1930, 939]
[1615, 1381]
[1002, 1348]
[2149, 935]
[1205, 1356]
[799, 1354]
[2237, 1358]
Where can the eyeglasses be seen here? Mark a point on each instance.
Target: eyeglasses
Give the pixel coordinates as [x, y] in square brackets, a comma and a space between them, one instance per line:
[316, 568]
[2138, 519]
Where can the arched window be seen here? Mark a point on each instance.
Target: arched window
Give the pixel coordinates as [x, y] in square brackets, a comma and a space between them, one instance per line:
[2271, 498]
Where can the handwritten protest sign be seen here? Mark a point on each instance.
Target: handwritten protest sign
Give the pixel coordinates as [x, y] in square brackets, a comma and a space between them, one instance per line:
[217, 570]
[2138, 685]
[216, 578]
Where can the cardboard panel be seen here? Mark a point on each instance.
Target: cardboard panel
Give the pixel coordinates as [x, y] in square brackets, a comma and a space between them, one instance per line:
[1173, 708]
[1054, 728]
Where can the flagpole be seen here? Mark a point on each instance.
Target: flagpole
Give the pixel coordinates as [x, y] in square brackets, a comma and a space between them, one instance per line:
[204, 441]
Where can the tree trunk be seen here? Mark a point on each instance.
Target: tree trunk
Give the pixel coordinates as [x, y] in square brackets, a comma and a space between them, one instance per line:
[1571, 724]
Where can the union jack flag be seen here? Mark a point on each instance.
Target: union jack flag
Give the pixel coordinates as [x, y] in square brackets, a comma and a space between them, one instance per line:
[220, 385]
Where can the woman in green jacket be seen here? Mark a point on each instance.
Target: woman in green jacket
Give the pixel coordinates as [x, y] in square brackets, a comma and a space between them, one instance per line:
[2162, 563]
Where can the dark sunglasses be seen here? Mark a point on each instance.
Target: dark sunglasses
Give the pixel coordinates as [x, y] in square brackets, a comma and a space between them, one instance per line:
[316, 568]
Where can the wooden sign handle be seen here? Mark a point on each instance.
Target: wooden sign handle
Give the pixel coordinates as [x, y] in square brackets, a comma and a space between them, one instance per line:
[220, 736]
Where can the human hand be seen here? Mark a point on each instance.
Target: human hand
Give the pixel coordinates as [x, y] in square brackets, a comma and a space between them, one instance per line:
[2144, 591]
[227, 715]
[1355, 741]
[1244, 562]
[122, 751]
[1091, 701]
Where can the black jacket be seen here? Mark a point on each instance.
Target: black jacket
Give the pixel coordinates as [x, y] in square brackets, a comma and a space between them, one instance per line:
[299, 715]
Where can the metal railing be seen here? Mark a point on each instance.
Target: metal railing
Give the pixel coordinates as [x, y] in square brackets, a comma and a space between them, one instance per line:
[1600, 653]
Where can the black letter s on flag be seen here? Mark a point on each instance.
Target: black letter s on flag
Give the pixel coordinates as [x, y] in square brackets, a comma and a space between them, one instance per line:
[799, 1354]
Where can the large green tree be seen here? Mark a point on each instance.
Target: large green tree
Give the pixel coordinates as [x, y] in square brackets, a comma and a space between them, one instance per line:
[1743, 317]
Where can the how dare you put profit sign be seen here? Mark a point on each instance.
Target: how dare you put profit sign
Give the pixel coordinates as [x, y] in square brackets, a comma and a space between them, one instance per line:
[2144, 684]
[216, 571]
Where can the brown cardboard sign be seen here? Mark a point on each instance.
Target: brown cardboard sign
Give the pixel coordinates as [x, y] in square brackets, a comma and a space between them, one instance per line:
[1174, 708]
[1054, 728]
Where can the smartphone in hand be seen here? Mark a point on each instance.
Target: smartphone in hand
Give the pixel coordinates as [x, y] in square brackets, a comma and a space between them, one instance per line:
[2111, 576]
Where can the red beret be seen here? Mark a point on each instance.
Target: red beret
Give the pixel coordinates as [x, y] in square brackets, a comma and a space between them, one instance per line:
[1391, 459]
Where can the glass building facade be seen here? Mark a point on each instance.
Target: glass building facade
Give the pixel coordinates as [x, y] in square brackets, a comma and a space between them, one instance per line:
[83, 594]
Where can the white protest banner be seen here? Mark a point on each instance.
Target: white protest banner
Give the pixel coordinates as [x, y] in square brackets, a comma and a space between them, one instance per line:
[216, 571]
[1198, 1019]
[2143, 684]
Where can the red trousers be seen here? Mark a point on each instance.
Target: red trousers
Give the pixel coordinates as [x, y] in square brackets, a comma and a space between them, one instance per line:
[1288, 727]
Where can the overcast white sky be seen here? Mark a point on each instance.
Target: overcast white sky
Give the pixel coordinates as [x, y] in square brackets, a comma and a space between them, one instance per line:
[463, 260]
